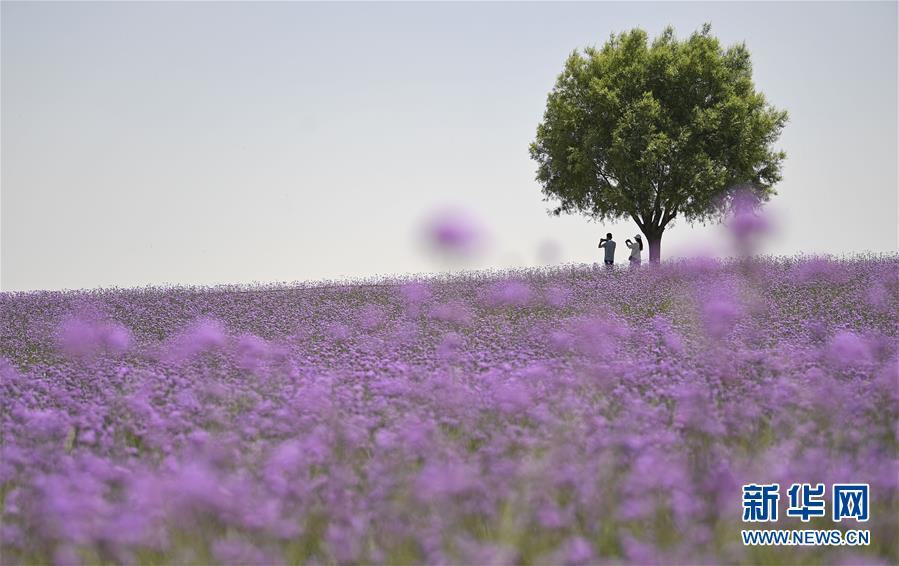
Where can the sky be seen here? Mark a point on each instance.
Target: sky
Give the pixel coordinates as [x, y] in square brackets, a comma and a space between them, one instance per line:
[229, 143]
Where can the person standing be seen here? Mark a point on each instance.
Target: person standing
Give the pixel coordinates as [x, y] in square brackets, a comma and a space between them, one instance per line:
[609, 246]
[635, 247]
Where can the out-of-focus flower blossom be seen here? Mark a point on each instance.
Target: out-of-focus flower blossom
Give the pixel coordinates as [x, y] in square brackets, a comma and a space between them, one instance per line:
[670, 338]
[371, 317]
[202, 336]
[82, 336]
[454, 311]
[440, 480]
[414, 295]
[577, 550]
[338, 331]
[227, 551]
[512, 397]
[252, 351]
[66, 555]
[720, 313]
[877, 295]
[557, 295]
[508, 293]
[817, 270]
[455, 232]
[599, 337]
[486, 553]
[746, 221]
[848, 349]
[450, 346]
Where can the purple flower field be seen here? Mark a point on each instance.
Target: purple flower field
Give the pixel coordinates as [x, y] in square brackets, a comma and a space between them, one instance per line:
[563, 416]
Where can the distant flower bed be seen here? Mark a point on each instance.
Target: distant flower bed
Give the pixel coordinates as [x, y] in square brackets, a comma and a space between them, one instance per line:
[567, 416]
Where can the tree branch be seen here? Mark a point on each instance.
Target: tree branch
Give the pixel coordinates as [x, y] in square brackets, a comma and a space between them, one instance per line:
[669, 216]
[640, 223]
[656, 204]
[606, 178]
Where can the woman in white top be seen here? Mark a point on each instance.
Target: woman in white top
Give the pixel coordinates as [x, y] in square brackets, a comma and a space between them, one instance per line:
[636, 248]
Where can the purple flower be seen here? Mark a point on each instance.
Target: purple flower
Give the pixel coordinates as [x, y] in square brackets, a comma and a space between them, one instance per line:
[202, 336]
[338, 332]
[455, 311]
[371, 317]
[84, 336]
[745, 219]
[508, 293]
[439, 480]
[720, 314]
[455, 232]
[847, 349]
[252, 351]
[599, 337]
[577, 550]
[450, 346]
[233, 551]
[558, 295]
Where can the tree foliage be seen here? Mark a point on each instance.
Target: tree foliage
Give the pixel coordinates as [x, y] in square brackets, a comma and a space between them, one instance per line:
[653, 132]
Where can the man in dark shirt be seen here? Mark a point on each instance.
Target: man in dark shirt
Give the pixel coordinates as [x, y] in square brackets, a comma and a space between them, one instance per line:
[609, 245]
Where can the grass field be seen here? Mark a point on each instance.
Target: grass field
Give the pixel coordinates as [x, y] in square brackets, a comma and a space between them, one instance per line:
[565, 416]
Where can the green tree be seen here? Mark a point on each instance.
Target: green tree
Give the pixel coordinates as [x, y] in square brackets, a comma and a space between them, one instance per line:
[653, 132]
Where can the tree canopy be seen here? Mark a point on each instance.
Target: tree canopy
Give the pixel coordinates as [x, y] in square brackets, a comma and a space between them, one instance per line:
[653, 132]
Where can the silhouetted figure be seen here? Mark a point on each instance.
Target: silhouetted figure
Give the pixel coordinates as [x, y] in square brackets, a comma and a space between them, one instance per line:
[635, 247]
[609, 245]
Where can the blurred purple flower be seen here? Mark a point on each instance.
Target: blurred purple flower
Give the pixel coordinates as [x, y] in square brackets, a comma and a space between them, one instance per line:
[234, 551]
[415, 292]
[454, 311]
[338, 331]
[847, 349]
[203, 335]
[512, 397]
[557, 295]
[487, 554]
[508, 293]
[450, 346]
[440, 480]
[83, 336]
[719, 314]
[813, 270]
[456, 232]
[252, 351]
[746, 222]
[599, 337]
[576, 551]
[371, 317]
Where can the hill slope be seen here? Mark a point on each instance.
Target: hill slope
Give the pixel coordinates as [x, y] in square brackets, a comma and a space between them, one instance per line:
[572, 415]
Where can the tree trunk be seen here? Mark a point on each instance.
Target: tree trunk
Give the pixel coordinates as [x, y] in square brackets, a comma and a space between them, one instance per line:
[654, 239]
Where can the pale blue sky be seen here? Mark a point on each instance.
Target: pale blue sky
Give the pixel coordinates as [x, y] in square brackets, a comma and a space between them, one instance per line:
[204, 143]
